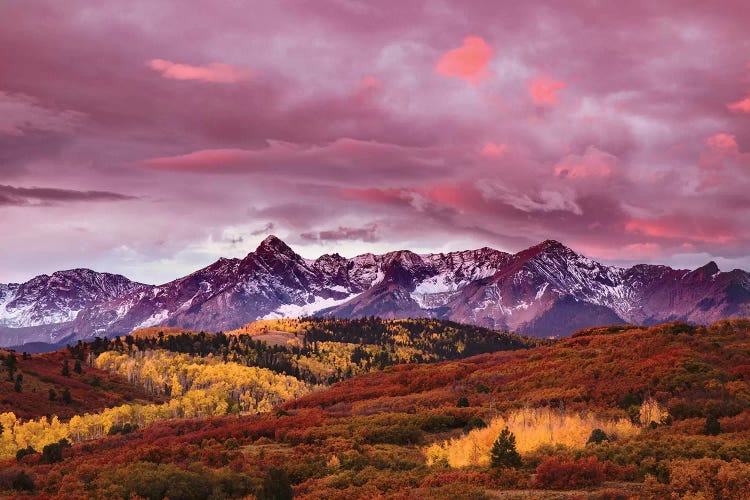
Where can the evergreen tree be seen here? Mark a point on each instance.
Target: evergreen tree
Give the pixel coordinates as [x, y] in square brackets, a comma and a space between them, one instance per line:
[66, 396]
[53, 453]
[77, 367]
[712, 426]
[19, 380]
[597, 436]
[10, 363]
[276, 486]
[52, 395]
[23, 482]
[66, 369]
[503, 452]
[23, 452]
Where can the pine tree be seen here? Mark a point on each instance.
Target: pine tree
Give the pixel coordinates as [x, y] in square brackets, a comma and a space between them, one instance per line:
[77, 367]
[19, 380]
[712, 426]
[10, 363]
[66, 369]
[597, 436]
[276, 486]
[503, 452]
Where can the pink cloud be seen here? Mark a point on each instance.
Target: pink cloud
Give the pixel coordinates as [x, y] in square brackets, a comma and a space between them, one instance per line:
[719, 147]
[423, 126]
[723, 142]
[20, 113]
[367, 233]
[451, 195]
[343, 160]
[388, 196]
[213, 72]
[198, 160]
[544, 91]
[631, 252]
[742, 106]
[370, 82]
[468, 62]
[593, 163]
[689, 229]
[493, 150]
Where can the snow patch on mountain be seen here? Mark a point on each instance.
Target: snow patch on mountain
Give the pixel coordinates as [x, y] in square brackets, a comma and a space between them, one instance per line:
[308, 309]
[154, 319]
[484, 286]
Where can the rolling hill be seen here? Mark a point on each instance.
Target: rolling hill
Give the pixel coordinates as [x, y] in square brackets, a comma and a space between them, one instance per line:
[670, 403]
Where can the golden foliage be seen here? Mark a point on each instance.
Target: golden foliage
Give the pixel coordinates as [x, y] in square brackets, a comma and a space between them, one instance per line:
[163, 372]
[262, 326]
[652, 411]
[199, 387]
[154, 331]
[533, 427]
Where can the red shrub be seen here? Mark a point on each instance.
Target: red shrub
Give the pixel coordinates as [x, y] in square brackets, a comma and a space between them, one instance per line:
[614, 472]
[554, 473]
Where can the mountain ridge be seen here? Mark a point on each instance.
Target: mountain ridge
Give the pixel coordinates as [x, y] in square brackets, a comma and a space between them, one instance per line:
[545, 290]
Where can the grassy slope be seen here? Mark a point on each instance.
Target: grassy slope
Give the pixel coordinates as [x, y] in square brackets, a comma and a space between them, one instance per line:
[90, 391]
[596, 368]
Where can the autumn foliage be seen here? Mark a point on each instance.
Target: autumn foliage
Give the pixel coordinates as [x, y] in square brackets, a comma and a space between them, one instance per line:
[650, 391]
[563, 474]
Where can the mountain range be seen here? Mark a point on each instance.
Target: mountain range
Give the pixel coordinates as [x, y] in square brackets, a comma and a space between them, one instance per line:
[545, 290]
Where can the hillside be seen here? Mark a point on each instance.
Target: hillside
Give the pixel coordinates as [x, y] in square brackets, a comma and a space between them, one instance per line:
[324, 351]
[43, 379]
[673, 402]
[545, 290]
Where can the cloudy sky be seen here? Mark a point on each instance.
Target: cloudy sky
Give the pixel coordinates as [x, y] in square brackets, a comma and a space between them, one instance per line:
[150, 138]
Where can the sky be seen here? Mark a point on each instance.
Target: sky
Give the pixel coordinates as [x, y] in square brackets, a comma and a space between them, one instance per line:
[150, 138]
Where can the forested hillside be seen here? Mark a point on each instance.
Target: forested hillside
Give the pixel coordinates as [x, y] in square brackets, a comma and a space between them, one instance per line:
[324, 351]
[61, 384]
[609, 413]
[184, 374]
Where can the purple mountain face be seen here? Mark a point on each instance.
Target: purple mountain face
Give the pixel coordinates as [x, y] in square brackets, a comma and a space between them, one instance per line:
[543, 291]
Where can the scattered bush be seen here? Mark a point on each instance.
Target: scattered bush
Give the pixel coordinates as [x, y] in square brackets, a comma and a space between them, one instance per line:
[53, 453]
[395, 434]
[23, 482]
[597, 436]
[712, 426]
[24, 452]
[276, 486]
[122, 429]
[566, 474]
[710, 478]
[475, 423]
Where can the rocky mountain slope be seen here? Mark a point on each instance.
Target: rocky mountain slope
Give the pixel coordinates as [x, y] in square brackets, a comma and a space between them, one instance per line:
[544, 290]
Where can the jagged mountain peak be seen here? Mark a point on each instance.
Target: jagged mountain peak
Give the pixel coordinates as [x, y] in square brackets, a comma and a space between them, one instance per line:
[272, 244]
[708, 269]
[549, 246]
[546, 289]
